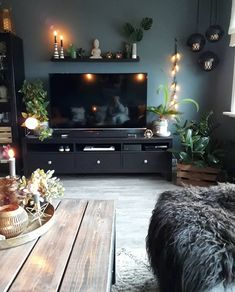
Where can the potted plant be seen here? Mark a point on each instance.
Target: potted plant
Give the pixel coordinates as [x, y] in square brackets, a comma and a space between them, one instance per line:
[36, 103]
[199, 157]
[135, 34]
[166, 110]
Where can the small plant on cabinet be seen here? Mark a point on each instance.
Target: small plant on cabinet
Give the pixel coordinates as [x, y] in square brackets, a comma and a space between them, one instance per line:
[36, 103]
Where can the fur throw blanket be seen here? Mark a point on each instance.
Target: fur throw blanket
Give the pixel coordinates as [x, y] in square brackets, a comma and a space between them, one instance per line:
[191, 239]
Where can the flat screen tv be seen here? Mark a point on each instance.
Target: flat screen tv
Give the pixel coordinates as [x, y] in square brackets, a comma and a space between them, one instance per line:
[97, 101]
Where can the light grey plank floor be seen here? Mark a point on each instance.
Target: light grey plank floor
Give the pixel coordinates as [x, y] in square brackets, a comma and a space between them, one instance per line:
[135, 197]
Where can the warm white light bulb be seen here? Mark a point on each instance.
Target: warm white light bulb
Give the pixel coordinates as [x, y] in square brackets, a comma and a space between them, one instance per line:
[173, 58]
[31, 123]
[177, 68]
[178, 56]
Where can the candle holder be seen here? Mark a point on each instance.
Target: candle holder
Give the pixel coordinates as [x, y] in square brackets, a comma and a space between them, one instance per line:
[61, 53]
[56, 52]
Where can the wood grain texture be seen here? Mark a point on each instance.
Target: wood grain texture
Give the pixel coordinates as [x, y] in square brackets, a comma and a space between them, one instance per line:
[90, 265]
[44, 269]
[11, 261]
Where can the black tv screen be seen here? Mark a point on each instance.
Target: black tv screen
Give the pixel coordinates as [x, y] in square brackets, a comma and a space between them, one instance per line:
[113, 100]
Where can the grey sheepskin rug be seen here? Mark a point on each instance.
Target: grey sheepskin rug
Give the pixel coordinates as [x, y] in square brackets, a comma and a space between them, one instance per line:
[133, 272]
[191, 239]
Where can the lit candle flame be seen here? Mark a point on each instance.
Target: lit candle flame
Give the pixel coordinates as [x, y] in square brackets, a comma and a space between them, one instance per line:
[11, 153]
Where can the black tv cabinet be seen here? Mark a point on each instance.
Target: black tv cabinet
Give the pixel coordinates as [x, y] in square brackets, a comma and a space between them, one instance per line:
[98, 155]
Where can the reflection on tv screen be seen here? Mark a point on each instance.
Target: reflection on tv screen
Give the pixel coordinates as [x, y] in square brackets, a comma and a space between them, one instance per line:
[98, 100]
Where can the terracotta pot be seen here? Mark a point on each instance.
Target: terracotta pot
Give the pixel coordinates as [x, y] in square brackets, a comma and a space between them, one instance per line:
[13, 220]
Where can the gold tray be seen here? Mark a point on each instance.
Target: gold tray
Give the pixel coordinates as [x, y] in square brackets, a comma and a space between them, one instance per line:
[33, 231]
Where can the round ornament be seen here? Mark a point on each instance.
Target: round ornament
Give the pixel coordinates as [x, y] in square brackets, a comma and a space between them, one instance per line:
[196, 42]
[208, 61]
[214, 33]
[148, 133]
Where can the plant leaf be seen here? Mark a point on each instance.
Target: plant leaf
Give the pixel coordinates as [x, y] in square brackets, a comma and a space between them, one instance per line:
[146, 23]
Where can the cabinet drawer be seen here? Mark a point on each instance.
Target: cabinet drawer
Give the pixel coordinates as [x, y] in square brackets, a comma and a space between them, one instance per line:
[97, 162]
[147, 161]
[61, 163]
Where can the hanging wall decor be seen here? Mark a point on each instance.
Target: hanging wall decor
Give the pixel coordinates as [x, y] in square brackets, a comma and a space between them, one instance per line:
[208, 61]
[214, 32]
[196, 41]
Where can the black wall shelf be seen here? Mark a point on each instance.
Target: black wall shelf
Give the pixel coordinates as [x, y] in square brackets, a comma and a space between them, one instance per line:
[88, 59]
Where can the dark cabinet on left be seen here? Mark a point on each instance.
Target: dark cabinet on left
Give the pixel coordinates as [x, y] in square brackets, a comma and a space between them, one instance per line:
[11, 80]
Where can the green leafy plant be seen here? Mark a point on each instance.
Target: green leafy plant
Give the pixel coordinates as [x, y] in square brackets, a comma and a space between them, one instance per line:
[36, 103]
[197, 146]
[167, 109]
[135, 34]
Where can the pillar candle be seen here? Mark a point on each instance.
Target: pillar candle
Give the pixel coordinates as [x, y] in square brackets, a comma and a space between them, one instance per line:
[61, 41]
[12, 167]
[12, 163]
[55, 34]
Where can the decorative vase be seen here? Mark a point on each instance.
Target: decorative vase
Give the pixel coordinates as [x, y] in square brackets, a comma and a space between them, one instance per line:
[160, 128]
[134, 51]
[13, 220]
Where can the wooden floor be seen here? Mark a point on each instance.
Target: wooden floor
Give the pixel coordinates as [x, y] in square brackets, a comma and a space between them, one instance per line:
[135, 197]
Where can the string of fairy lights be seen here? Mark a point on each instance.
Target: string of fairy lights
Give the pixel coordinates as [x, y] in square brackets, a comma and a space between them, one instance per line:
[175, 58]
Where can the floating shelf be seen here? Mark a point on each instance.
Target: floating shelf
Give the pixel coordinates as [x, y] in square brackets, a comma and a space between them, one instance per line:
[103, 60]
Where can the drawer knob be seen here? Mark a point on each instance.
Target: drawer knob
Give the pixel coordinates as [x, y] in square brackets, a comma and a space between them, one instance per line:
[98, 161]
[145, 161]
[49, 162]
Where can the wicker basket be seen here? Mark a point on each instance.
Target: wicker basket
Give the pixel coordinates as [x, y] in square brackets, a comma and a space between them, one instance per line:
[196, 176]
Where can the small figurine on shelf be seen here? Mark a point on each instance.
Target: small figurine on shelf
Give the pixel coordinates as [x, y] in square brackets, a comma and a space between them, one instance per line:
[96, 52]
[119, 55]
[72, 51]
[80, 53]
[109, 55]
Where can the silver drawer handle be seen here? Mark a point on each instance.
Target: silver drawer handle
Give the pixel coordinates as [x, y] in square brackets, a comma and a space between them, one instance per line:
[98, 161]
[145, 161]
[49, 162]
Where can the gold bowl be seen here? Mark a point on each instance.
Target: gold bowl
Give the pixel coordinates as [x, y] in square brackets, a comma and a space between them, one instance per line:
[13, 220]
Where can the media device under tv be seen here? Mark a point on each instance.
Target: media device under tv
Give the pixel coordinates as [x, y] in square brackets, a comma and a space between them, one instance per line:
[98, 102]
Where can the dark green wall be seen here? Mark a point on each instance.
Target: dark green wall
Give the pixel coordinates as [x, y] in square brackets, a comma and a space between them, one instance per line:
[82, 21]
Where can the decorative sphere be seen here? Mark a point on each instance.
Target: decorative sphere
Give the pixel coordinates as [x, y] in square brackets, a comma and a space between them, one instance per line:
[31, 123]
[196, 42]
[208, 61]
[214, 33]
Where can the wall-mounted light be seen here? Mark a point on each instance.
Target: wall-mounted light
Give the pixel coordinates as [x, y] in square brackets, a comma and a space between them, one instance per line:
[89, 77]
[140, 77]
[6, 21]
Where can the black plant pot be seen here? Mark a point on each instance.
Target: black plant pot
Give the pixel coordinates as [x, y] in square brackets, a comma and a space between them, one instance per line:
[208, 61]
[196, 42]
[214, 33]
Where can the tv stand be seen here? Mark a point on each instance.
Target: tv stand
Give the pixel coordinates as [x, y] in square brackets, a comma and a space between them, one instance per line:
[98, 155]
[98, 134]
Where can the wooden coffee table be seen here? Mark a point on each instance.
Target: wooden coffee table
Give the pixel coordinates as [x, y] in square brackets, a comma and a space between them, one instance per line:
[76, 254]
